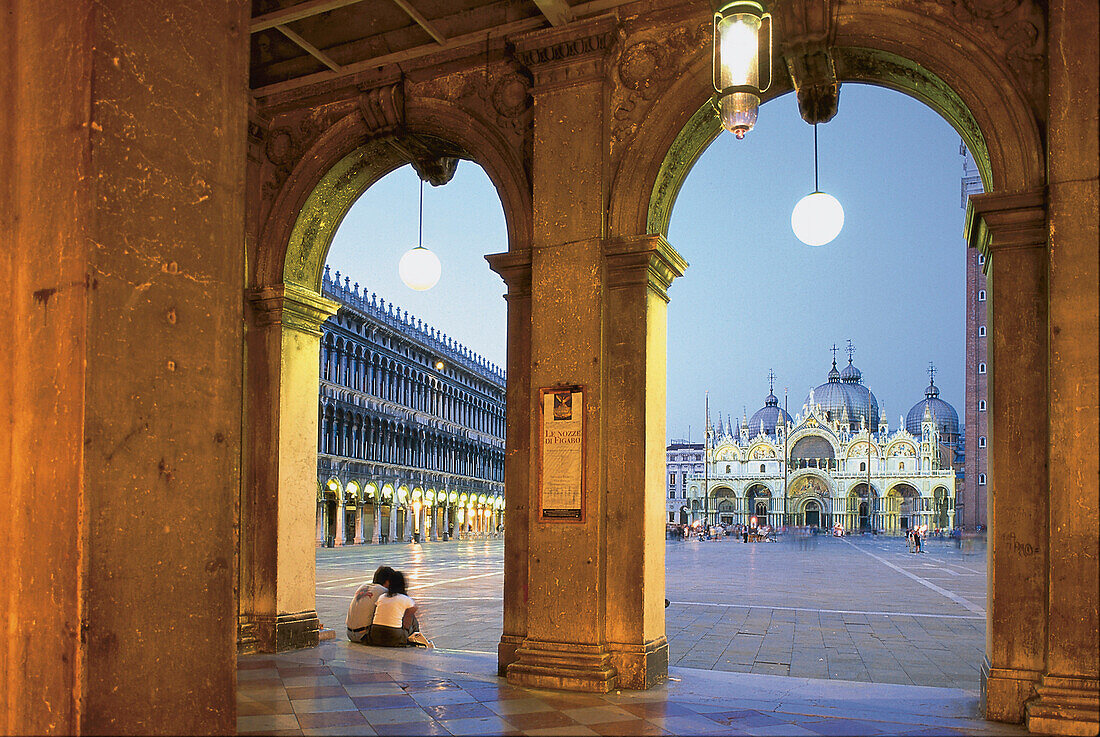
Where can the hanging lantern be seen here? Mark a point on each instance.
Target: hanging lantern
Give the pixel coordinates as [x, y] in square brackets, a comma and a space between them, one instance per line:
[735, 70]
[419, 268]
[818, 217]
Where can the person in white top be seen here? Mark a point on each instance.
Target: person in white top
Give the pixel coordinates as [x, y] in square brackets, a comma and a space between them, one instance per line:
[361, 610]
[395, 623]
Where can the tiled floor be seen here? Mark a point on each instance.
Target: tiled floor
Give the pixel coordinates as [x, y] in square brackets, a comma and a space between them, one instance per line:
[343, 688]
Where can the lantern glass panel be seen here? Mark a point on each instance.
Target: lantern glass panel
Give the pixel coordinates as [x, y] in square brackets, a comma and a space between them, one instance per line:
[739, 66]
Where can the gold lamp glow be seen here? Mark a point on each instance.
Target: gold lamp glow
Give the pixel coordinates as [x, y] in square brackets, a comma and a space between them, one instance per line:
[420, 268]
[735, 63]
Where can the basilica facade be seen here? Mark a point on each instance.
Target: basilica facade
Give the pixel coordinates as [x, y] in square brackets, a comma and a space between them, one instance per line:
[411, 441]
[836, 463]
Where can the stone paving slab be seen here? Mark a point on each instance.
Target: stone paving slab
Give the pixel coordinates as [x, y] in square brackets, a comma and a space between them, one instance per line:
[456, 693]
[851, 609]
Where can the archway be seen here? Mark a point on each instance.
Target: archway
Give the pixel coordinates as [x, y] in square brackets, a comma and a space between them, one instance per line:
[316, 187]
[811, 513]
[979, 98]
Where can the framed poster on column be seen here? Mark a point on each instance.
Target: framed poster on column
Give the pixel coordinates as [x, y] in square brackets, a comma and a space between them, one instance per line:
[561, 454]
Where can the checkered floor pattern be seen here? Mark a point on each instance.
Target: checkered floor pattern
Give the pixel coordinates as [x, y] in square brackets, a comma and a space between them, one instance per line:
[348, 689]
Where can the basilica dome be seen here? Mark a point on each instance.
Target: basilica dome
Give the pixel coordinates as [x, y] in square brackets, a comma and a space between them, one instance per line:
[768, 416]
[944, 415]
[844, 395]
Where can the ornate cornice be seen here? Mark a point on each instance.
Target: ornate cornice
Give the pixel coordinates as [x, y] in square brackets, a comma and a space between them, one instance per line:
[998, 222]
[569, 54]
[647, 260]
[291, 306]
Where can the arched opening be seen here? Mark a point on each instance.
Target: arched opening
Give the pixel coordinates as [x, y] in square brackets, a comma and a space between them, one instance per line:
[812, 513]
[378, 357]
[812, 451]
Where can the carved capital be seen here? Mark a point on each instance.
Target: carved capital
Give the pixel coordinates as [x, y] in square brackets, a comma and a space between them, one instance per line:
[647, 260]
[997, 222]
[514, 267]
[569, 54]
[291, 306]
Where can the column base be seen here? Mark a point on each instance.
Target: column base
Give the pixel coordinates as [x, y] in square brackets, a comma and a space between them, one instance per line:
[261, 633]
[565, 666]
[506, 652]
[640, 666]
[1004, 691]
[1065, 706]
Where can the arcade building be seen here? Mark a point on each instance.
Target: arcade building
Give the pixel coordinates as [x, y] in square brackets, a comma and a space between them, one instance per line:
[836, 463]
[411, 440]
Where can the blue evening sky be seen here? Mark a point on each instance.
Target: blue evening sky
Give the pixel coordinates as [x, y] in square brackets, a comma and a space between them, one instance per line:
[754, 297]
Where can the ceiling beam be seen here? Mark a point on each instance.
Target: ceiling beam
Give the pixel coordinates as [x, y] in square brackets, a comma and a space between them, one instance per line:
[296, 12]
[557, 12]
[421, 21]
[312, 50]
[593, 7]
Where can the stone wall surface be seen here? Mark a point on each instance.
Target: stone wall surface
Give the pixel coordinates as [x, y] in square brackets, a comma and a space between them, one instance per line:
[125, 197]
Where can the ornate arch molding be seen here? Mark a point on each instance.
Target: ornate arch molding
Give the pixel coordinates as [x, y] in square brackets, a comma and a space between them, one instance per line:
[947, 63]
[347, 158]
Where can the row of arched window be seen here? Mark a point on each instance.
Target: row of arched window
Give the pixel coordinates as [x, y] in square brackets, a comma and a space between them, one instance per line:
[367, 438]
[357, 367]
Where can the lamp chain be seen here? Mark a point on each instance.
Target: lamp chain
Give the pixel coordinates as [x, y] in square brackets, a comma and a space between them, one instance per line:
[420, 235]
[816, 188]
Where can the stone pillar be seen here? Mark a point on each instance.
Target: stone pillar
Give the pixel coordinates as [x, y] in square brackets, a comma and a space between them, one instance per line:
[1011, 230]
[422, 519]
[393, 517]
[122, 208]
[376, 520]
[433, 516]
[341, 519]
[409, 513]
[1068, 701]
[605, 299]
[360, 523]
[278, 558]
[321, 523]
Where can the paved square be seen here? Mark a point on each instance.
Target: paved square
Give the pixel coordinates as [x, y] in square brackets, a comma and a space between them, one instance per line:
[851, 609]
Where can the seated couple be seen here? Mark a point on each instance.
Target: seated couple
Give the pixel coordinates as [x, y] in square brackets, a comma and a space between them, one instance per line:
[383, 614]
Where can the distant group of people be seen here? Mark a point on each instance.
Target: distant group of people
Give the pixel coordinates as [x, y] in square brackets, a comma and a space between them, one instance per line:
[382, 613]
[914, 538]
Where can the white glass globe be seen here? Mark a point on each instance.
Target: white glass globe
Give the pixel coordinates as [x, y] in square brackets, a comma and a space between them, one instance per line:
[419, 269]
[817, 219]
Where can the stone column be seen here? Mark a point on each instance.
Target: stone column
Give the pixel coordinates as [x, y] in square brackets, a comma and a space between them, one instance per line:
[409, 513]
[1011, 230]
[321, 523]
[434, 517]
[376, 521]
[278, 558]
[360, 522]
[578, 281]
[422, 518]
[1069, 694]
[393, 516]
[341, 519]
[639, 271]
[122, 208]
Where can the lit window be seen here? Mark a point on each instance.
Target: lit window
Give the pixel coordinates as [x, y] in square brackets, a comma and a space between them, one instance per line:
[981, 479]
[981, 330]
[981, 258]
[901, 466]
[672, 479]
[981, 295]
[981, 441]
[981, 405]
[981, 368]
